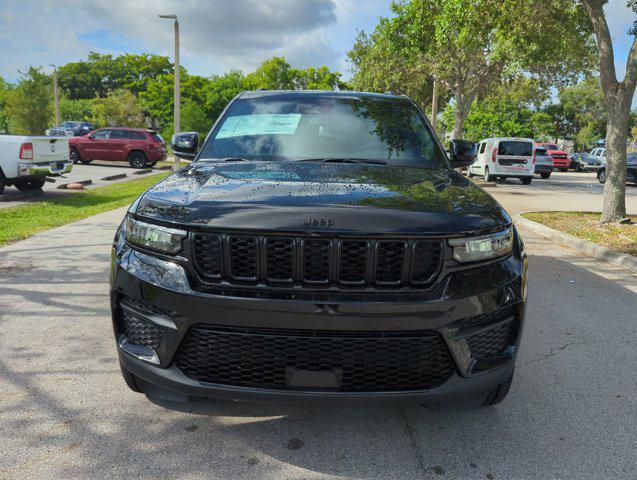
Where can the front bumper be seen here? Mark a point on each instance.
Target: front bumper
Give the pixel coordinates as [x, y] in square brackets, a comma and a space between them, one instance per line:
[45, 169]
[460, 296]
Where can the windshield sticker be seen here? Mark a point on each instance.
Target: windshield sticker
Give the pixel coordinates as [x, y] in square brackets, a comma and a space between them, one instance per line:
[260, 124]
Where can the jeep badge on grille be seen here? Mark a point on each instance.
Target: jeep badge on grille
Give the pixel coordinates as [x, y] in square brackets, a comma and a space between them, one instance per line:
[318, 222]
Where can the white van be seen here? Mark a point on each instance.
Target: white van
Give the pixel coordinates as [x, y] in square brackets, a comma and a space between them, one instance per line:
[505, 158]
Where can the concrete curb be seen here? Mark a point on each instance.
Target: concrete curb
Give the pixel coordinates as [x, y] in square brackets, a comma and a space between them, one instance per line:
[142, 172]
[601, 253]
[114, 177]
[64, 186]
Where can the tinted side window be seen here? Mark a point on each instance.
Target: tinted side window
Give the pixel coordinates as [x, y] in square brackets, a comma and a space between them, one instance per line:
[101, 135]
[117, 134]
[134, 135]
[482, 145]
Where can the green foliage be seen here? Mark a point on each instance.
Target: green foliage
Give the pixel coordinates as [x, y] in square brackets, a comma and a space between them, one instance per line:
[470, 45]
[221, 89]
[5, 89]
[511, 109]
[100, 74]
[80, 109]
[23, 221]
[29, 105]
[272, 74]
[119, 108]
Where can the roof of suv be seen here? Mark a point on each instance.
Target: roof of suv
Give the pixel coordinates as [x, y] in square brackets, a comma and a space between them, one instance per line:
[315, 93]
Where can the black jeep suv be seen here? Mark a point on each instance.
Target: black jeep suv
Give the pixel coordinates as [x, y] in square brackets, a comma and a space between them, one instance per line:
[320, 245]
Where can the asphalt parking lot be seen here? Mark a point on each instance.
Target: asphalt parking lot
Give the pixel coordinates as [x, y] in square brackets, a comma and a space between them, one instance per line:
[94, 171]
[66, 413]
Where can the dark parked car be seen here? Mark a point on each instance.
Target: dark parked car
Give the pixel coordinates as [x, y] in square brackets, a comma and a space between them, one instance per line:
[631, 170]
[137, 146]
[320, 246]
[583, 162]
[70, 128]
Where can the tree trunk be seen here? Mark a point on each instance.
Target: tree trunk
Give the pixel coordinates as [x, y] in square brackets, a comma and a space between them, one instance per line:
[618, 107]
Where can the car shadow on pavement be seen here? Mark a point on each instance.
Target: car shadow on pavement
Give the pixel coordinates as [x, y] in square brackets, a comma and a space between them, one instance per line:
[69, 414]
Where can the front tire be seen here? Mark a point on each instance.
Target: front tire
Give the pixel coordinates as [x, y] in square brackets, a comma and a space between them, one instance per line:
[137, 160]
[562, 169]
[29, 184]
[487, 177]
[3, 183]
[75, 156]
[526, 180]
[129, 378]
[601, 176]
[545, 176]
[497, 394]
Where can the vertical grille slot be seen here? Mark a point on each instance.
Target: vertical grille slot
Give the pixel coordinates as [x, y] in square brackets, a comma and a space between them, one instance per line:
[243, 257]
[426, 261]
[208, 255]
[280, 259]
[316, 261]
[390, 258]
[353, 261]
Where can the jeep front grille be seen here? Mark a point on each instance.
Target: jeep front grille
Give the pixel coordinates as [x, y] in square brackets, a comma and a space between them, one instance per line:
[310, 261]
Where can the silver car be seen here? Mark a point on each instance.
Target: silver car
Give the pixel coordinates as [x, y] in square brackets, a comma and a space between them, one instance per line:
[543, 163]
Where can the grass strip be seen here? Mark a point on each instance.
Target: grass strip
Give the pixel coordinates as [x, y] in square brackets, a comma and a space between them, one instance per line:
[585, 225]
[17, 223]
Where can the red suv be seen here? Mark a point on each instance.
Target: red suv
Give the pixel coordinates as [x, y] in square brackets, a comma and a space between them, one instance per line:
[560, 158]
[137, 146]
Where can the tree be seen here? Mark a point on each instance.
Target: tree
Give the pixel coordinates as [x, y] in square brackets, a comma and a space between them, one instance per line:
[320, 78]
[5, 89]
[221, 89]
[618, 97]
[120, 108]
[470, 45]
[79, 109]
[29, 104]
[510, 109]
[272, 74]
[100, 74]
[377, 68]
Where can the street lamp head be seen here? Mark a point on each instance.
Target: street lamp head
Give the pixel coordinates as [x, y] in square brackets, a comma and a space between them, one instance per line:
[171, 16]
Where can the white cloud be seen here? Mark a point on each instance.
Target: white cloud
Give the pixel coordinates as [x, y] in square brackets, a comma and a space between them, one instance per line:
[215, 34]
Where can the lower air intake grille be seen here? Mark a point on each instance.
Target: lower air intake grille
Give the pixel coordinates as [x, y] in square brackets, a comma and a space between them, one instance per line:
[139, 331]
[334, 361]
[492, 342]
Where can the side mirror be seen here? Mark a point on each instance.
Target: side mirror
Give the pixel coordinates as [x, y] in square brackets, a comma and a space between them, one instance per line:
[185, 145]
[462, 153]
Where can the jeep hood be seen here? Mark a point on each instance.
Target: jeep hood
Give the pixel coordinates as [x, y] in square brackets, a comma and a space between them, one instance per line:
[319, 197]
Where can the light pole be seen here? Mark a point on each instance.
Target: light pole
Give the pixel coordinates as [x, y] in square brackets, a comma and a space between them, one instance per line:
[177, 97]
[56, 95]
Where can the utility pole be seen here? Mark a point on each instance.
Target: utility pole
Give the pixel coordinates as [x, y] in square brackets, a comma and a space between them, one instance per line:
[434, 107]
[177, 86]
[56, 95]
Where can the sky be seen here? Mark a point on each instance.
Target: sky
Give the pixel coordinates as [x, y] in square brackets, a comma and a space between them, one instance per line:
[216, 35]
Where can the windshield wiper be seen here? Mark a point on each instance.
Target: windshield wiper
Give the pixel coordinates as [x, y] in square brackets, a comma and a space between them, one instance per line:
[344, 160]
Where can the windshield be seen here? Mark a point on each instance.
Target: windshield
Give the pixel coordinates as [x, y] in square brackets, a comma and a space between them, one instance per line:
[318, 128]
[523, 149]
[69, 124]
[550, 146]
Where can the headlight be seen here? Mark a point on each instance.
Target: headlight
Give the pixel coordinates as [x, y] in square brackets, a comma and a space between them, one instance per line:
[476, 249]
[154, 237]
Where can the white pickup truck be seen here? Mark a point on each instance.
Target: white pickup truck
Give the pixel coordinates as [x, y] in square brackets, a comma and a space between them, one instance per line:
[26, 161]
